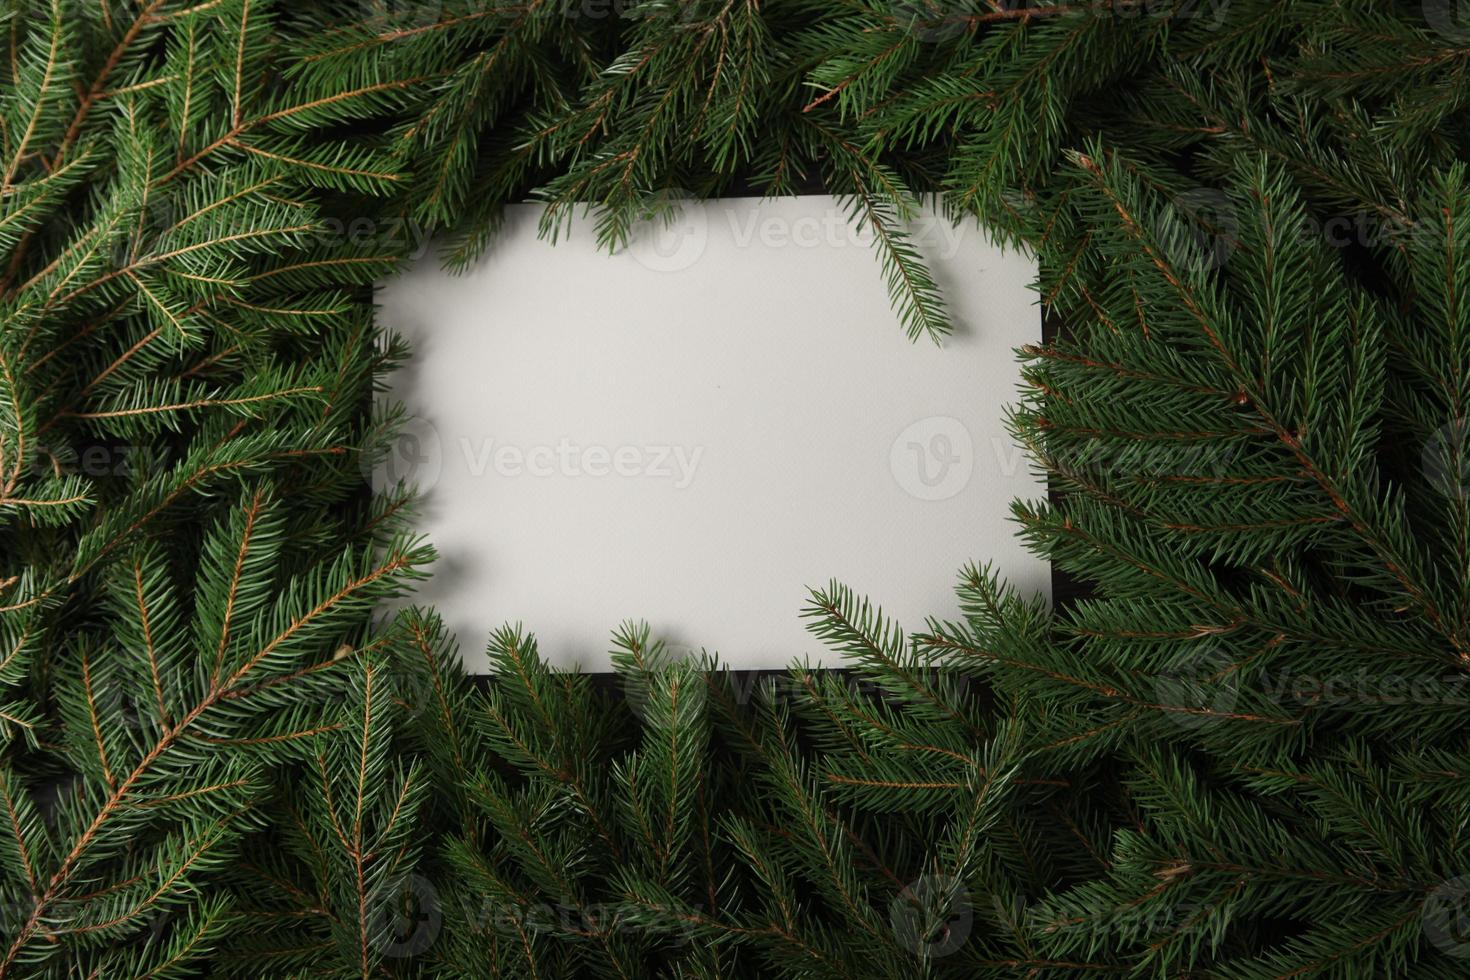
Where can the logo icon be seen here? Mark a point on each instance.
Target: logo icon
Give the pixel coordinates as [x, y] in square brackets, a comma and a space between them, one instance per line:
[1450, 19]
[1446, 917]
[932, 21]
[1209, 228]
[413, 456]
[1198, 689]
[405, 917]
[114, 699]
[674, 235]
[1445, 462]
[932, 916]
[933, 458]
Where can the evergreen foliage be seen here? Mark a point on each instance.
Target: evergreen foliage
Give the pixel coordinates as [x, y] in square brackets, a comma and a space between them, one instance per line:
[1242, 756]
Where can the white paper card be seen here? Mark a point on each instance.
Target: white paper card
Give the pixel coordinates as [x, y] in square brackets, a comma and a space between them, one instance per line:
[694, 430]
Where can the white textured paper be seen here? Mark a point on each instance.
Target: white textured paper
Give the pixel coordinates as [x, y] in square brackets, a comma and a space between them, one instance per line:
[693, 431]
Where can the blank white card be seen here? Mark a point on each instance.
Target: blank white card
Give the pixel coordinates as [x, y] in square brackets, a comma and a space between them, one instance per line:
[694, 430]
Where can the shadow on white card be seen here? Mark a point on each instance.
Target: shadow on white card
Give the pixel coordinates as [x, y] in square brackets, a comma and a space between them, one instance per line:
[693, 431]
